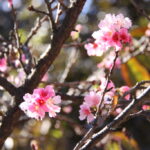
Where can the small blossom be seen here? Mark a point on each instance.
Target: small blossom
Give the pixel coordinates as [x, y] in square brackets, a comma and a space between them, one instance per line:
[3, 64]
[92, 99]
[123, 90]
[108, 98]
[107, 62]
[85, 112]
[43, 100]
[146, 107]
[93, 49]
[110, 84]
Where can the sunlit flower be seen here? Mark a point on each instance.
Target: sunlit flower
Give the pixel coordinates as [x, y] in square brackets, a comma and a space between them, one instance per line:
[112, 33]
[41, 101]
[85, 112]
[123, 90]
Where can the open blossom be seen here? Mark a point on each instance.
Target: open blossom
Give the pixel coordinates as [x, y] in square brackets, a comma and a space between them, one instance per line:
[115, 22]
[92, 99]
[3, 64]
[113, 32]
[85, 112]
[110, 84]
[108, 98]
[93, 49]
[107, 62]
[41, 101]
[124, 89]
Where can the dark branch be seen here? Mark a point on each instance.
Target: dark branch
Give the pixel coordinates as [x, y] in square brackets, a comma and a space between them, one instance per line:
[54, 49]
[11, 89]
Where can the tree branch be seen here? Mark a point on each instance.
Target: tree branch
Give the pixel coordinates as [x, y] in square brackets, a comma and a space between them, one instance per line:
[10, 88]
[54, 49]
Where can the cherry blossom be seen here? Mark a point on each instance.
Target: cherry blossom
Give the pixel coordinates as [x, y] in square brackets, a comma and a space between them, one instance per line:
[92, 99]
[124, 89]
[93, 49]
[3, 64]
[107, 62]
[108, 98]
[112, 33]
[115, 22]
[146, 107]
[85, 112]
[41, 101]
[110, 84]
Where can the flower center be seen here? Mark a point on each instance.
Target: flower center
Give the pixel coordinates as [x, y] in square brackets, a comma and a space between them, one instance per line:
[41, 102]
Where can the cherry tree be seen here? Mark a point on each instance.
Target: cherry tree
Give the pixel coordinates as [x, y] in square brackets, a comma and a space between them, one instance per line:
[97, 98]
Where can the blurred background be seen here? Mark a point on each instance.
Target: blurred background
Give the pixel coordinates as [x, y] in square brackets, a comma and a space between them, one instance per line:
[63, 132]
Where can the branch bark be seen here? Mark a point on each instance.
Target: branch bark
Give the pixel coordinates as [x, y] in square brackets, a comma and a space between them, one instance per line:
[10, 88]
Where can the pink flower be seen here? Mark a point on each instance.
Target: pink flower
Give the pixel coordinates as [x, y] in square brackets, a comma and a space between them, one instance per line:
[124, 89]
[85, 112]
[147, 32]
[43, 100]
[93, 49]
[115, 22]
[110, 84]
[146, 107]
[125, 37]
[3, 64]
[108, 98]
[45, 93]
[10, 2]
[107, 62]
[92, 99]
[113, 33]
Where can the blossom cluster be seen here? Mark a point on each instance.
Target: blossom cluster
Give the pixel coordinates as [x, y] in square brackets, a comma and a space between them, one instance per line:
[94, 98]
[113, 32]
[41, 101]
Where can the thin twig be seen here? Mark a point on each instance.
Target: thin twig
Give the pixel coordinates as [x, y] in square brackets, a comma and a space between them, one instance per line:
[71, 60]
[53, 25]
[58, 13]
[17, 39]
[31, 8]
[140, 10]
[71, 122]
[35, 29]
